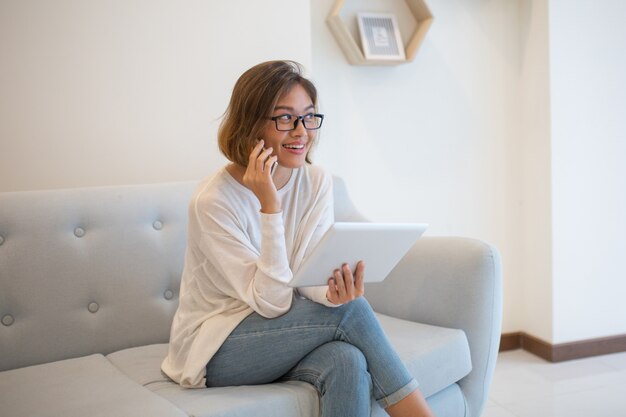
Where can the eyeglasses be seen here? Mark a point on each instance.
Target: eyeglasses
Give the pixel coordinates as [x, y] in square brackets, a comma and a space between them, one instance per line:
[311, 121]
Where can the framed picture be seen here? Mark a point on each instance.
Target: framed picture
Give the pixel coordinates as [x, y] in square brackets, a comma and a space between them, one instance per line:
[380, 36]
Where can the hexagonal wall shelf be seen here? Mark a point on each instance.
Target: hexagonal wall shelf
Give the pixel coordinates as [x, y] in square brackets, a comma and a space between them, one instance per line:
[353, 52]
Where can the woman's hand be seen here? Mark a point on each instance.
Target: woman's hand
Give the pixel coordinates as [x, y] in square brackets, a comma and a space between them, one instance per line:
[344, 287]
[258, 178]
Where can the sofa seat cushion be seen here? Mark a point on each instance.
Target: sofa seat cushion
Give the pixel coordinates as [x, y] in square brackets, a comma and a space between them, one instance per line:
[285, 399]
[438, 357]
[87, 386]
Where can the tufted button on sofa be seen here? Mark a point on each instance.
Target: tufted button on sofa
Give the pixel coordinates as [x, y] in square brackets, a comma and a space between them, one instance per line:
[89, 285]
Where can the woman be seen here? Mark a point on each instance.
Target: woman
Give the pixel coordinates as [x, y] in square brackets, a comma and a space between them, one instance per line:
[250, 225]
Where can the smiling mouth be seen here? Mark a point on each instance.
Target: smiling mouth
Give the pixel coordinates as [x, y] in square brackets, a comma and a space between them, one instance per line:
[294, 146]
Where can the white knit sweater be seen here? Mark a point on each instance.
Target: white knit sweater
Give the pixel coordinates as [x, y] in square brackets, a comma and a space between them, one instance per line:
[238, 260]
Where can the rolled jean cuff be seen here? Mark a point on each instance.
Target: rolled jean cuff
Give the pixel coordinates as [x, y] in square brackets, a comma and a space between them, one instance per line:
[390, 400]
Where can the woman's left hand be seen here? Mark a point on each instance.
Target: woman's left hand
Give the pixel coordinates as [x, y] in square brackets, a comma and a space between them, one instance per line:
[344, 286]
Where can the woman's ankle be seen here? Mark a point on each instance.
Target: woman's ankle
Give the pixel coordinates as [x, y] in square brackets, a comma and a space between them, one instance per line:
[413, 405]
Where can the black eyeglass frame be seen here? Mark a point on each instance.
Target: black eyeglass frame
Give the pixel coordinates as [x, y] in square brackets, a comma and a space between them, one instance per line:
[297, 119]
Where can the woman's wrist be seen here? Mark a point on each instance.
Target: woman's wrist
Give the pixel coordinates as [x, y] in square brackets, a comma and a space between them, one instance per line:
[270, 208]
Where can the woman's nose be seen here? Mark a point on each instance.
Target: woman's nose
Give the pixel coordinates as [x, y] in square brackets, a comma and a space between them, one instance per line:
[300, 129]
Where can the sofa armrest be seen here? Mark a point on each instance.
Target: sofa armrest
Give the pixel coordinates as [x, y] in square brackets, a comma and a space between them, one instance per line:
[451, 282]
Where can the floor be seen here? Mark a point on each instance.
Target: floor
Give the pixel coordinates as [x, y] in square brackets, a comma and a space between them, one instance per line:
[527, 386]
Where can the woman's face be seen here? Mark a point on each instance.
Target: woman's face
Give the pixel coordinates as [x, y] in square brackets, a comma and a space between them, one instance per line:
[291, 146]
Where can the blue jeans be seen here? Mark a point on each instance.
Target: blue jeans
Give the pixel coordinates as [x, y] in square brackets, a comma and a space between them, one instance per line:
[341, 351]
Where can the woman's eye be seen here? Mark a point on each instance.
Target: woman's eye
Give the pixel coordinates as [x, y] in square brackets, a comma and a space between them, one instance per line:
[284, 118]
[309, 116]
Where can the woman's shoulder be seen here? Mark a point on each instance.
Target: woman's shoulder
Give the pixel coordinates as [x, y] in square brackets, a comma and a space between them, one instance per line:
[313, 182]
[219, 188]
[318, 175]
[316, 170]
[210, 185]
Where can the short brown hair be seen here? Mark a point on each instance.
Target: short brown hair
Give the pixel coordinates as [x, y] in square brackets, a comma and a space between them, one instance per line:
[254, 97]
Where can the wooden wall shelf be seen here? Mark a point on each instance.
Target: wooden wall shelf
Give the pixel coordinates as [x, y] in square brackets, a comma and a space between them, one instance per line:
[351, 48]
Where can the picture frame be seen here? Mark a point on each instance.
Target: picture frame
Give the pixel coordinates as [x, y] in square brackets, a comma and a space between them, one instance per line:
[380, 36]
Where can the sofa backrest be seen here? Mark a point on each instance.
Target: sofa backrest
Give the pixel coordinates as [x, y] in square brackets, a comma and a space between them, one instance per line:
[88, 270]
[94, 270]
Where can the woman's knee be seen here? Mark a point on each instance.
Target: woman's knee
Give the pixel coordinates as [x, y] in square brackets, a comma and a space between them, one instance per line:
[359, 307]
[358, 313]
[347, 370]
[335, 360]
[346, 358]
[344, 382]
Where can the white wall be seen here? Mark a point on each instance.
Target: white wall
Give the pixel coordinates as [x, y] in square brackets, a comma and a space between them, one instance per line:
[435, 140]
[588, 106]
[128, 91]
[507, 127]
[535, 297]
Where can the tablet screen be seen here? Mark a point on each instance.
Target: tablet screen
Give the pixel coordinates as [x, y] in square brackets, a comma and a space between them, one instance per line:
[379, 245]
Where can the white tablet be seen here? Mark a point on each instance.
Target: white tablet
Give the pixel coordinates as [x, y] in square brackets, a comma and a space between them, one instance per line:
[379, 245]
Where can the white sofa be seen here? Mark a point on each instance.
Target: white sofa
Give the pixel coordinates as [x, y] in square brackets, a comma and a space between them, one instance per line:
[89, 282]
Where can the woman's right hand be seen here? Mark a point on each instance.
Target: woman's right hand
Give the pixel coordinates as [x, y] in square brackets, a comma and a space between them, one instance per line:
[258, 178]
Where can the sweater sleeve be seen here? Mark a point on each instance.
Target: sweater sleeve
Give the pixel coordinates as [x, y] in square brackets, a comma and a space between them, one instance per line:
[272, 261]
[238, 270]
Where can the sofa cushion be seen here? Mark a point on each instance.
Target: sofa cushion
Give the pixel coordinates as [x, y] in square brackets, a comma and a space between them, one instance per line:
[287, 399]
[87, 386]
[436, 356]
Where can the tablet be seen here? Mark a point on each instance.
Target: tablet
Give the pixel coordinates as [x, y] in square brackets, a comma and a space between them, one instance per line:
[379, 245]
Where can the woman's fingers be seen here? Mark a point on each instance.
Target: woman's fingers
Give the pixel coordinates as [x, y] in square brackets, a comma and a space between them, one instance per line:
[348, 281]
[359, 280]
[254, 155]
[332, 294]
[269, 163]
[258, 177]
[263, 158]
[340, 284]
[344, 286]
[259, 157]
